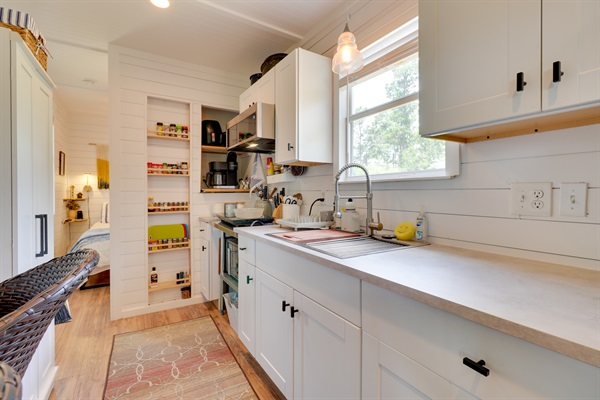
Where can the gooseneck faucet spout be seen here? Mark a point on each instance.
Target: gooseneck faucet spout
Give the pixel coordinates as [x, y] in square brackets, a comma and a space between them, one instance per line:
[370, 225]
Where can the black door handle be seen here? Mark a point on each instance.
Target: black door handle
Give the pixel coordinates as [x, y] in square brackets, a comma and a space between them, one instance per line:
[476, 366]
[520, 81]
[290, 147]
[284, 305]
[556, 72]
[248, 279]
[43, 235]
[293, 311]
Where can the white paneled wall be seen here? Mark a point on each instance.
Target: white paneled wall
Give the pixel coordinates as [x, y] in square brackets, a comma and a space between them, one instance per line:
[134, 76]
[61, 133]
[473, 209]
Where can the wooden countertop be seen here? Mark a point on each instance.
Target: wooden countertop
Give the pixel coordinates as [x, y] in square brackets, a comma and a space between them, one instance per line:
[550, 305]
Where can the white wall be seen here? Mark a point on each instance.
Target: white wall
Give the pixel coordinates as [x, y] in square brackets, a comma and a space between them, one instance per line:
[134, 76]
[61, 134]
[473, 209]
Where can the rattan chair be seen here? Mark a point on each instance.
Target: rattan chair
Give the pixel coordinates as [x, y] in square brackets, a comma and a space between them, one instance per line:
[10, 383]
[29, 302]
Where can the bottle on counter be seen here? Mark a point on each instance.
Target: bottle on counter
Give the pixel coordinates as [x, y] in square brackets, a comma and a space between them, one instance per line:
[421, 227]
[350, 217]
[270, 166]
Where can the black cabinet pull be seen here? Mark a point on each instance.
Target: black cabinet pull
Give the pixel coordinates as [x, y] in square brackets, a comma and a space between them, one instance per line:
[290, 147]
[43, 235]
[556, 72]
[248, 279]
[293, 311]
[284, 305]
[242, 248]
[203, 248]
[476, 366]
[520, 81]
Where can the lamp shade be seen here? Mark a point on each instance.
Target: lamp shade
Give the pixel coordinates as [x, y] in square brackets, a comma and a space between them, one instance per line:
[348, 58]
[160, 3]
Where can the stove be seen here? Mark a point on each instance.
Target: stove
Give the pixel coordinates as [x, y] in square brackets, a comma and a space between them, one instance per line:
[231, 222]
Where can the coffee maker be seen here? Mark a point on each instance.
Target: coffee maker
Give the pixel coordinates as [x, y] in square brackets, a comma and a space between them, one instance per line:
[223, 174]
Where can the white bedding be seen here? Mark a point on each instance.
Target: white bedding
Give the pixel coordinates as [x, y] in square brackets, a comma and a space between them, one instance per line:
[97, 238]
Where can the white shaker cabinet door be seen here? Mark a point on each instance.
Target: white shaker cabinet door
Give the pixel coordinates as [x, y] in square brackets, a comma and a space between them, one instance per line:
[247, 309]
[470, 54]
[204, 273]
[274, 331]
[571, 37]
[326, 353]
[389, 374]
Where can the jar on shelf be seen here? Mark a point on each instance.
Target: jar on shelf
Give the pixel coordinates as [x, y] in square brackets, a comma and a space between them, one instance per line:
[184, 132]
[151, 204]
[160, 129]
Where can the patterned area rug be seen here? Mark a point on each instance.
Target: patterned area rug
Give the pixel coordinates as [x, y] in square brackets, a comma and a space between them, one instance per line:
[185, 360]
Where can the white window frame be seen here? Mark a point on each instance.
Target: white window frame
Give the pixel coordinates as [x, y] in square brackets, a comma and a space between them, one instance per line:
[393, 43]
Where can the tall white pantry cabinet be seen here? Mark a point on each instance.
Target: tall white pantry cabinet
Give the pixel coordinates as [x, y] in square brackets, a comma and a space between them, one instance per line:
[27, 182]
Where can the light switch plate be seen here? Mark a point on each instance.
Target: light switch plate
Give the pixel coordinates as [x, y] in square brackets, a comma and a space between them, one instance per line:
[573, 199]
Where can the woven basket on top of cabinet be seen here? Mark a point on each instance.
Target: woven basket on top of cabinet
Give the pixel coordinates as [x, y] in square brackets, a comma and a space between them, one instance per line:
[23, 24]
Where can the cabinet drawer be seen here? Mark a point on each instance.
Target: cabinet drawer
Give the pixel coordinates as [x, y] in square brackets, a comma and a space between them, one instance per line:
[440, 340]
[246, 249]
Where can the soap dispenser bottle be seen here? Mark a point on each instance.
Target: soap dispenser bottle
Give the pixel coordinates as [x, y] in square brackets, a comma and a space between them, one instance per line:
[421, 225]
[350, 218]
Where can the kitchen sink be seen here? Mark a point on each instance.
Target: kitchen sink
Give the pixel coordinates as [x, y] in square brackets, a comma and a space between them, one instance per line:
[357, 246]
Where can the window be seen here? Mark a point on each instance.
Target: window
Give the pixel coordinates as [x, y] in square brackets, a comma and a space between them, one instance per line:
[383, 125]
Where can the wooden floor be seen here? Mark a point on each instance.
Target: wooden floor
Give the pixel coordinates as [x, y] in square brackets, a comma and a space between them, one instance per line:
[83, 345]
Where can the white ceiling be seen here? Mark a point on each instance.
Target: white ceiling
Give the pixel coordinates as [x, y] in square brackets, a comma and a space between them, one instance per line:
[232, 35]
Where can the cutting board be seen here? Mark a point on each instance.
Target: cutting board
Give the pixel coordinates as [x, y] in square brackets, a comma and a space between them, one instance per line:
[315, 235]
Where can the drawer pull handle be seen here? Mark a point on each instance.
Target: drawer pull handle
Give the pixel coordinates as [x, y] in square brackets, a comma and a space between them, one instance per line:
[476, 366]
[248, 279]
[521, 81]
[557, 72]
[242, 248]
[293, 311]
[284, 305]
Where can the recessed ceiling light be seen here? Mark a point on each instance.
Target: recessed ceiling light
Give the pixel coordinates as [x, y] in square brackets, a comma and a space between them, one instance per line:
[160, 3]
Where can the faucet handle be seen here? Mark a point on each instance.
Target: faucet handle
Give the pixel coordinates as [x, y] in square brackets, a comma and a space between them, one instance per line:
[376, 226]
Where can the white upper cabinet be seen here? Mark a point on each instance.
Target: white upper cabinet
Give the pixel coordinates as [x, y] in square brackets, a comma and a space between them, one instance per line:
[263, 91]
[303, 109]
[571, 37]
[480, 64]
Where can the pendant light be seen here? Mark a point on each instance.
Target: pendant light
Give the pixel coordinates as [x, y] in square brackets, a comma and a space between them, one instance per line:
[160, 3]
[347, 58]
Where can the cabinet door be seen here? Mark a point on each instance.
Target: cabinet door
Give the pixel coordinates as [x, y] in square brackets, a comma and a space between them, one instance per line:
[266, 88]
[389, 374]
[204, 272]
[274, 333]
[246, 315]
[326, 353]
[571, 36]
[470, 54]
[249, 97]
[286, 107]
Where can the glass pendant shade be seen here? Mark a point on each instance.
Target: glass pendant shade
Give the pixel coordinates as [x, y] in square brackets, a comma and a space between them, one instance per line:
[348, 58]
[160, 3]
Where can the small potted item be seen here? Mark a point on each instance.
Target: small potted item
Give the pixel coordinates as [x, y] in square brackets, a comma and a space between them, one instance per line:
[72, 207]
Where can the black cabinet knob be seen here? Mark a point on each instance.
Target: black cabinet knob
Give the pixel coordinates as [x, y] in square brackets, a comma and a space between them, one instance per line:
[556, 72]
[476, 366]
[284, 305]
[293, 311]
[521, 81]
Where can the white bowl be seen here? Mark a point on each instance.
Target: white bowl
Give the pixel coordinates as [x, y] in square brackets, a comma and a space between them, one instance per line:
[248, 213]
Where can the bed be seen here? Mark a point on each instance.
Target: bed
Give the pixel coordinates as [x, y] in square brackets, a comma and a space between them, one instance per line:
[97, 238]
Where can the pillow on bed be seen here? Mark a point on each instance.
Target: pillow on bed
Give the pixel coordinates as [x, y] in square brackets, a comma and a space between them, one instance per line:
[104, 214]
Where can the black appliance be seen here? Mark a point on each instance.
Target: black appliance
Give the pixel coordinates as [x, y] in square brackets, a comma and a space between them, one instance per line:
[212, 135]
[223, 174]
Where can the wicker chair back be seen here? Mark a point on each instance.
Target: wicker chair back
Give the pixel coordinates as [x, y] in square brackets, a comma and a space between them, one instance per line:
[29, 301]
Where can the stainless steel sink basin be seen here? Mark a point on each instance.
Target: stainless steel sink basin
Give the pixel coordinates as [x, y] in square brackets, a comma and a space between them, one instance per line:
[356, 246]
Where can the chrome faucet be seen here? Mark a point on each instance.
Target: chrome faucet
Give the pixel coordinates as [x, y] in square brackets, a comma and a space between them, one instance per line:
[370, 223]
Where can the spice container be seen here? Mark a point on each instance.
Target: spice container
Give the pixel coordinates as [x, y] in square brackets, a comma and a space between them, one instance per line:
[160, 129]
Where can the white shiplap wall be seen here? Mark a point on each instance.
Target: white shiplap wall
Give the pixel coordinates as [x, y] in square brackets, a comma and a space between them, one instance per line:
[134, 76]
[61, 133]
[473, 209]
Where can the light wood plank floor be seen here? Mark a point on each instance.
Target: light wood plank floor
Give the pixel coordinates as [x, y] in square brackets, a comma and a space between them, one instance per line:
[83, 345]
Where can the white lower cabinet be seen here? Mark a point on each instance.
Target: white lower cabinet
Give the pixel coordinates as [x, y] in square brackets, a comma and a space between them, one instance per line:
[439, 342]
[389, 374]
[246, 304]
[308, 350]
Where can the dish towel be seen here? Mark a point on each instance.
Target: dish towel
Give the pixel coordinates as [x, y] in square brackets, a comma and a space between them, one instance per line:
[102, 166]
[257, 178]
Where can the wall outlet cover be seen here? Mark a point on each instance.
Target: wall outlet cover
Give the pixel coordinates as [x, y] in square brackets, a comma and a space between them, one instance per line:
[531, 198]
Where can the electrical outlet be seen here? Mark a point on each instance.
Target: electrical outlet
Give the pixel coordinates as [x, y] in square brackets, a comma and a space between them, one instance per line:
[531, 198]
[573, 199]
